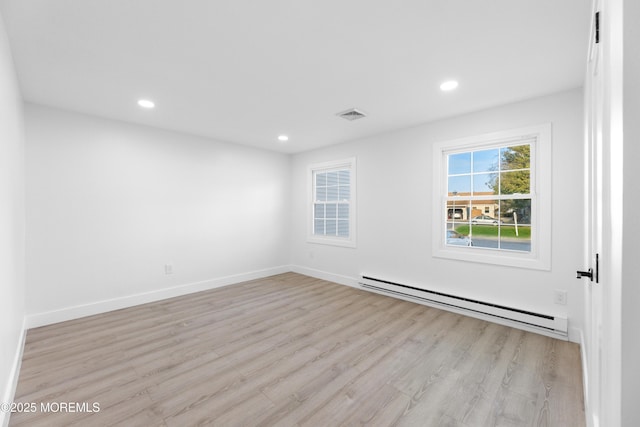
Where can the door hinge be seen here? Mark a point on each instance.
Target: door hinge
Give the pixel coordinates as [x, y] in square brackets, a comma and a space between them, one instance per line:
[597, 23]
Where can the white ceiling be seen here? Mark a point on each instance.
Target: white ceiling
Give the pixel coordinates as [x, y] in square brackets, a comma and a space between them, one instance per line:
[247, 71]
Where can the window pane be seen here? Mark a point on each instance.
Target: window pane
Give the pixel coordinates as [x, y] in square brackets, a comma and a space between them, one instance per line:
[332, 178]
[486, 160]
[344, 192]
[459, 184]
[344, 177]
[318, 226]
[516, 225]
[516, 182]
[318, 210]
[331, 210]
[343, 211]
[321, 194]
[332, 193]
[518, 210]
[459, 163]
[343, 228]
[457, 212]
[457, 238]
[330, 227]
[484, 234]
[516, 157]
[485, 183]
[485, 211]
[321, 179]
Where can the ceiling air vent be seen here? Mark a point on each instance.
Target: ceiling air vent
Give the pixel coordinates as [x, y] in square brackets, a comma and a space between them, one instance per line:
[352, 114]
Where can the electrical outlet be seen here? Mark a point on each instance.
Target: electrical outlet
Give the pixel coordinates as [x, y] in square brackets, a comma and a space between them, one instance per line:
[560, 297]
[168, 269]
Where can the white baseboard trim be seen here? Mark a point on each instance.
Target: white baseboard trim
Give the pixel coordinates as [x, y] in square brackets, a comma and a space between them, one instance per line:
[78, 311]
[325, 275]
[12, 383]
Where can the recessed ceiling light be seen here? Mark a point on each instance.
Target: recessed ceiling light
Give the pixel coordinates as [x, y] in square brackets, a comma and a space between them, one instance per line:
[283, 138]
[145, 103]
[449, 85]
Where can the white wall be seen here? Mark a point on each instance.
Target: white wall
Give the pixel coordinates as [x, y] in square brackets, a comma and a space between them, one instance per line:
[631, 227]
[394, 169]
[109, 204]
[12, 222]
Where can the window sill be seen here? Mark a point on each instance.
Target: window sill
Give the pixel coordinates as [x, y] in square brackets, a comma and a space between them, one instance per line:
[335, 241]
[494, 256]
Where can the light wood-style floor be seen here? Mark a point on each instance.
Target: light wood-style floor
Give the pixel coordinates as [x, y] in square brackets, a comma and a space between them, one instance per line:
[292, 350]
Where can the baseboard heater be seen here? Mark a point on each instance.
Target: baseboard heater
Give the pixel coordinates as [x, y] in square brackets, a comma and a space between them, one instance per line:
[537, 322]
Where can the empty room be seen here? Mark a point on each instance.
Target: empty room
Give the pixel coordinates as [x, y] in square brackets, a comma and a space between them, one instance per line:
[295, 213]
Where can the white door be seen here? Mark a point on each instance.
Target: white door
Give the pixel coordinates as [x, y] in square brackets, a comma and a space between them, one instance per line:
[594, 111]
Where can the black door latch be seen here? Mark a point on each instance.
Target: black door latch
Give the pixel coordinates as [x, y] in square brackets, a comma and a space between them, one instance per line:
[581, 274]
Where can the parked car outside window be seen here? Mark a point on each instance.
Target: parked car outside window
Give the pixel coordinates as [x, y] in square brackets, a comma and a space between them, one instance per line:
[485, 219]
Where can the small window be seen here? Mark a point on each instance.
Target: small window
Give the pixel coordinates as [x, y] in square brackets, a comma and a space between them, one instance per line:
[332, 218]
[493, 194]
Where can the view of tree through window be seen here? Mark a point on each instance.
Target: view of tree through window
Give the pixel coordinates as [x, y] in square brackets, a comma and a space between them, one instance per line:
[489, 198]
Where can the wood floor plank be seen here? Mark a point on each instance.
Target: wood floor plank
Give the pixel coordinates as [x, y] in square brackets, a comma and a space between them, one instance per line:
[291, 350]
[361, 391]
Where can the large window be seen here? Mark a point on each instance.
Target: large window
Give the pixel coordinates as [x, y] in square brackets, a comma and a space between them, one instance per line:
[489, 197]
[332, 203]
[493, 198]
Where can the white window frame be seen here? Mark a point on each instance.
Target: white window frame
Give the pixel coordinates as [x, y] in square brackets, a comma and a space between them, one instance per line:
[539, 257]
[349, 163]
